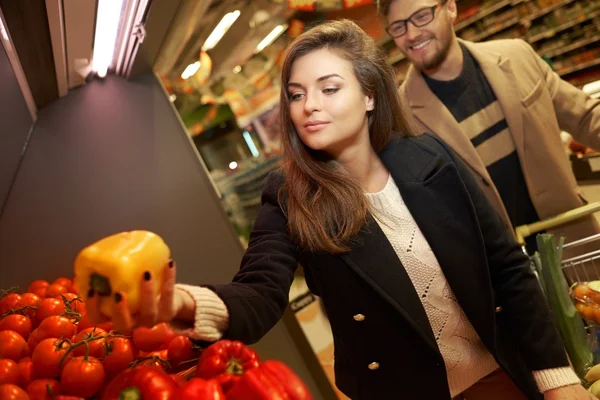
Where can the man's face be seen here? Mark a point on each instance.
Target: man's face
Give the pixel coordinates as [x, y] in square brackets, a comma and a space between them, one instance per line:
[426, 46]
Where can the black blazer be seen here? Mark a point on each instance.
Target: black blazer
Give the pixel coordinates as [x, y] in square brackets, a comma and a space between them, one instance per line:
[486, 269]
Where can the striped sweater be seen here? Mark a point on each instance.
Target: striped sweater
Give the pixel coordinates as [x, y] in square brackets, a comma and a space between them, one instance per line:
[472, 102]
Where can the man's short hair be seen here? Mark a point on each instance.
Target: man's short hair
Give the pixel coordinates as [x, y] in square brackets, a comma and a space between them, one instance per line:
[383, 7]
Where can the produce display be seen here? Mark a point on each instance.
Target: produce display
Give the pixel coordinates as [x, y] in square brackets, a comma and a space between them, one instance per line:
[587, 300]
[49, 349]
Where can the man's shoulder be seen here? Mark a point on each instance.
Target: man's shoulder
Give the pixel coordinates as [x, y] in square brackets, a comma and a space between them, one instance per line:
[505, 47]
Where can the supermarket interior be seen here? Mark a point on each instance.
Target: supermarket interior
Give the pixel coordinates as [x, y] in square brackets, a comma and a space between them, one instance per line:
[178, 130]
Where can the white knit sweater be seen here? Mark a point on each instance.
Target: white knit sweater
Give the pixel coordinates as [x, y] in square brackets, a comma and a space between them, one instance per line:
[466, 358]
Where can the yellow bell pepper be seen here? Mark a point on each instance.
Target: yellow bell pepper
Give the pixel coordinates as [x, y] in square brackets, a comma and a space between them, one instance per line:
[117, 263]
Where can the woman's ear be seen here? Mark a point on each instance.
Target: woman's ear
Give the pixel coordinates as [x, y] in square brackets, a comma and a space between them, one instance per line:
[370, 102]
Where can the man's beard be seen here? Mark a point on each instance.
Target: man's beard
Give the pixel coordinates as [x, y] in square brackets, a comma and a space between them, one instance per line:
[439, 57]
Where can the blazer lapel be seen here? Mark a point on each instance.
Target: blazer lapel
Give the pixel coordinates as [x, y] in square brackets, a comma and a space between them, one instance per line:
[435, 196]
[501, 78]
[452, 234]
[434, 115]
[373, 258]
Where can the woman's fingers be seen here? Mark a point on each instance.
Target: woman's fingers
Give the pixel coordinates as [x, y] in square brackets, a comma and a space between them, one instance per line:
[120, 313]
[93, 307]
[148, 302]
[166, 311]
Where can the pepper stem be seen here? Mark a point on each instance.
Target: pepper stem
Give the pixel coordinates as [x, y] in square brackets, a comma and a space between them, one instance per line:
[235, 367]
[130, 393]
[100, 284]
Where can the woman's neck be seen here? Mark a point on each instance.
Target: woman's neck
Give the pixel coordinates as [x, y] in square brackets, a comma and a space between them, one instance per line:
[363, 163]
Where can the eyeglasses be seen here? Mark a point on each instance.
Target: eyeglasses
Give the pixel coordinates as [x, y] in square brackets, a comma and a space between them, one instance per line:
[419, 19]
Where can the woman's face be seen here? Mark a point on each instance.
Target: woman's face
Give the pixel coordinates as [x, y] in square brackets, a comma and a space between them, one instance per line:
[327, 105]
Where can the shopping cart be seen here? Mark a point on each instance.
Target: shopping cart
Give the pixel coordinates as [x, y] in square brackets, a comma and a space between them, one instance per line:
[581, 268]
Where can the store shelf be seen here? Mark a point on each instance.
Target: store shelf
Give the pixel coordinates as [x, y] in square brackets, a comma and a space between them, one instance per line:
[565, 49]
[481, 14]
[580, 67]
[493, 31]
[552, 32]
[547, 10]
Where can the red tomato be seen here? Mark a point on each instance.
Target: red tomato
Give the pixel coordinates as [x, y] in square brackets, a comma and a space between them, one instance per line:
[155, 359]
[25, 371]
[151, 339]
[74, 287]
[38, 389]
[12, 345]
[56, 327]
[181, 349]
[40, 291]
[34, 340]
[96, 347]
[120, 354]
[82, 378]
[9, 302]
[18, 323]
[84, 323]
[66, 282]
[56, 289]
[30, 300]
[12, 392]
[40, 283]
[76, 302]
[9, 372]
[109, 326]
[49, 307]
[179, 380]
[46, 358]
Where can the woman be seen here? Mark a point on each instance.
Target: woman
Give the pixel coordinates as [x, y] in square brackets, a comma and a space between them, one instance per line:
[428, 295]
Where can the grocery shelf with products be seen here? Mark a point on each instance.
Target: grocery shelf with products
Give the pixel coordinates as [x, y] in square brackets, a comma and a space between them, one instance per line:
[566, 33]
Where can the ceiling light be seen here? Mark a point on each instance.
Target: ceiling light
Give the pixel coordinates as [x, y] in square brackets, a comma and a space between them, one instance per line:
[233, 165]
[107, 25]
[190, 70]
[220, 30]
[271, 37]
[172, 98]
[250, 144]
[237, 69]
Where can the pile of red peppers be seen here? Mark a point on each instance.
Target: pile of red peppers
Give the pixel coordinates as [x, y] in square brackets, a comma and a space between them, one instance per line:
[227, 370]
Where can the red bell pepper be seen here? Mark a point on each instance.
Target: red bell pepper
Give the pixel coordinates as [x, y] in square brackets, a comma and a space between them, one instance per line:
[272, 380]
[141, 383]
[226, 361]
[200, 389]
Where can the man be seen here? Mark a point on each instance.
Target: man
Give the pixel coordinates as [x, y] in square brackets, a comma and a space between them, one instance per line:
[501, 108]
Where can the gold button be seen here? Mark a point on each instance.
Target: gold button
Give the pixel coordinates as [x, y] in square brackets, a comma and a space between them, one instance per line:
[499, 309]
[373, 366]
[359, 317]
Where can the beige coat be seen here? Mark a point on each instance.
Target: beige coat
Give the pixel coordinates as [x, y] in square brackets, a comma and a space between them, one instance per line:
[537, 105]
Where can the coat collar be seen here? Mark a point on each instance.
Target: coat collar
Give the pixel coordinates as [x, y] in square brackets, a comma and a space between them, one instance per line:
[433, 114]
[433, 195]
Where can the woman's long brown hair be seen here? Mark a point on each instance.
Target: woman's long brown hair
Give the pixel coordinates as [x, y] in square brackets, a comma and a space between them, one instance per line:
[325, 206]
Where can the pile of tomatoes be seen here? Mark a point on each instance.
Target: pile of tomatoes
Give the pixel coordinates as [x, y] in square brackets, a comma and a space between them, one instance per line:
[50, 350]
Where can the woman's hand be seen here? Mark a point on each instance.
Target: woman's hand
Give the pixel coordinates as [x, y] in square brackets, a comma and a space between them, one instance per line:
[155, 308]
[571, 392]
